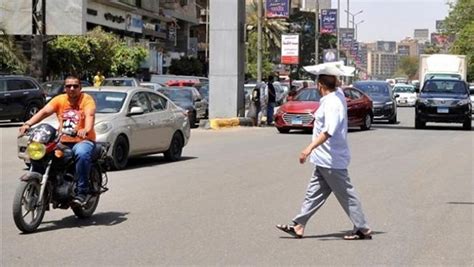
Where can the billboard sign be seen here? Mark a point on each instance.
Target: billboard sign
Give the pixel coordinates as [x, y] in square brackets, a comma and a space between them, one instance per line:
[277, 9]
[290, 48]
[404, 50]
[329, 55]
[387, 46]
[347, 36]
[328, 21]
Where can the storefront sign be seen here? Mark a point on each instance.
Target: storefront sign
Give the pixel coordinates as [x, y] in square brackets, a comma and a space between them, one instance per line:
[290, 49]
[134, 23]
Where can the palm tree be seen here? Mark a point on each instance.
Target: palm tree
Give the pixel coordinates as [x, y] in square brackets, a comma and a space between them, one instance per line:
[271, 28]
[11, 59]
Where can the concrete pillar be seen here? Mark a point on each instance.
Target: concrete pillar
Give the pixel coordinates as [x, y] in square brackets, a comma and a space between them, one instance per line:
[226, 58]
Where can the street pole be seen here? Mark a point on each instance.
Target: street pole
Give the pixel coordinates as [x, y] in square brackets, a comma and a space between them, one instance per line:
[347, 14]
[207, 33]
[337, 28]
[316, 34]
[259, 41]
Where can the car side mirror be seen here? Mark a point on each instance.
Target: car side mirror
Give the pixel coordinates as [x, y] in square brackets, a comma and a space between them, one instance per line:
[417, 89]
[135, 111]
[396, 95]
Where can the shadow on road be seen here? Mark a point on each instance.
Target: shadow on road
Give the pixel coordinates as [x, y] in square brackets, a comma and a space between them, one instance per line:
[428, 127]
[332, 236]
[460, 203]
[149, 161]
[99, 219]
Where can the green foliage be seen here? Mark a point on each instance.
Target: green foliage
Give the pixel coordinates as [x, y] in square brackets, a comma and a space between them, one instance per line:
[460, 22]
[11, 60]
[95, 51]
[186, 66]
[431, 49]
[408, 66]
[267, 65]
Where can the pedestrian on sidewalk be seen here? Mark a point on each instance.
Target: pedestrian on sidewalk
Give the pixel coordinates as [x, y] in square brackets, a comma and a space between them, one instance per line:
[329, 152]
[271, 100]
[257, 104]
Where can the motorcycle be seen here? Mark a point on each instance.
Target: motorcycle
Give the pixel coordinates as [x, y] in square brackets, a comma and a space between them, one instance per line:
[55, 183]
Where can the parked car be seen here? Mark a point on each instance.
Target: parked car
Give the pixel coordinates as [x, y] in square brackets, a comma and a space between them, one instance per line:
[299, 112]
[121, 81]
[407, 94]
[153, 86]
[384, 101]
[54, 88]
[471, 92]
[20, 97]
[190, 100]
[135, 121]
[444, 100]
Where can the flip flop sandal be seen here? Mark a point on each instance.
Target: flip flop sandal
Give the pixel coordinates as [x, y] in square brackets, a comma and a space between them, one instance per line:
[358, 236]
[289, 229]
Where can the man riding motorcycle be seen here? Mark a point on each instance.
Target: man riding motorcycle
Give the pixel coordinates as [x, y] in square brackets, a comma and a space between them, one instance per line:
[76, 114]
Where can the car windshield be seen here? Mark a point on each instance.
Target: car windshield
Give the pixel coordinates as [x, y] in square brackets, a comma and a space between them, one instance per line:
[403, 89]
[373, 89]
[52, 87]
[178, 95]
[117, 83]
[444, 86]
[204, 91]
[107, 102]
[308, 95]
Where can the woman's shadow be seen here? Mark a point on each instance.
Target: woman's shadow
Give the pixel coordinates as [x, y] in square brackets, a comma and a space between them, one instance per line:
[99, 219]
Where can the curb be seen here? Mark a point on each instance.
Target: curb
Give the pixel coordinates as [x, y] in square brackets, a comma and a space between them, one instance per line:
[219, 123]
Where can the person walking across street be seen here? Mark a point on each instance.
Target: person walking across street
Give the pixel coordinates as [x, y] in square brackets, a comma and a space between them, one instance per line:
[271, 100]
[329, 152]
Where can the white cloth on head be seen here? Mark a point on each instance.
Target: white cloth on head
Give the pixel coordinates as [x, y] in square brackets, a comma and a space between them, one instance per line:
[330, 68]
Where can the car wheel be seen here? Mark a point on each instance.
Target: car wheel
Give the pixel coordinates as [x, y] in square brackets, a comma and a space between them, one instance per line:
[367, 122]
[283, 130]
[120, 153]
[31, 110]
[419, 124]
[467, 125]
[176, 148]
[393, 120]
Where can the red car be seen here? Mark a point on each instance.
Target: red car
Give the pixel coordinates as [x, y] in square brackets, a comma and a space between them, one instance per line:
[298, 113]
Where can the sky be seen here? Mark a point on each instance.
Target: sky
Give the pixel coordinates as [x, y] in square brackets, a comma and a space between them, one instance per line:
[392, 20]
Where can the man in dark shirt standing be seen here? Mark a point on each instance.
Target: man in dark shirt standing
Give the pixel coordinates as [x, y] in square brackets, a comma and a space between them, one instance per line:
[271, 100]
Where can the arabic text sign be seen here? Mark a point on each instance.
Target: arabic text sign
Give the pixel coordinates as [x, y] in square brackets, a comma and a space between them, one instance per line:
[328, 21]
[290, 49]
[277, 9]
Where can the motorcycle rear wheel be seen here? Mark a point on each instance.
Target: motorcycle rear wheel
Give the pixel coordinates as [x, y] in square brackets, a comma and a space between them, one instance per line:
[25, 204]
[89, 208]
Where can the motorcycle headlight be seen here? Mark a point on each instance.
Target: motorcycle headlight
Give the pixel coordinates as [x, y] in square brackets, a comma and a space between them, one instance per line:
[102, 127]
[35, 150]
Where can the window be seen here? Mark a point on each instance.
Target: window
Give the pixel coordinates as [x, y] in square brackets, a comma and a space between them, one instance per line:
[158, 103]
[3, 86]
[140, 100]
[17, 85]
[356, 94]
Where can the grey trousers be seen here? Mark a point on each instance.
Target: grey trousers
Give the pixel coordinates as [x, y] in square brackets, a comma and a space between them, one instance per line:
[322, 183]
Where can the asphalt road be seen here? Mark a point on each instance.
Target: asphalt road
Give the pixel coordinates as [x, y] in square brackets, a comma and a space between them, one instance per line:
[219, 205]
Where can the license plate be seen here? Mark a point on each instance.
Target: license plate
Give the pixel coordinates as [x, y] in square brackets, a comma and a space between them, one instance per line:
[443, 110]
[296, 121]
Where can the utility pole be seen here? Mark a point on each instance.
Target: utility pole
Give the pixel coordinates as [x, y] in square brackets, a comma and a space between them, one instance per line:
[348, 9]
[316, 34]
[259, 41]
[338, 37]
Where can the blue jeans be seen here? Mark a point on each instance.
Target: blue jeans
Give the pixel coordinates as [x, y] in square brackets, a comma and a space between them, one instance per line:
[270, 110]
[83, 156]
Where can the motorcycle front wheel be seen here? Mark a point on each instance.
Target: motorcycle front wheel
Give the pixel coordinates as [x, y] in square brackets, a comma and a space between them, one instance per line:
[28, 209]
[88, 209]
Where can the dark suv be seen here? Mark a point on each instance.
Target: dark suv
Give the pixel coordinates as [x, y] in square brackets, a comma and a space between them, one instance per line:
[20, 97]
[443, 100]
[384, 100]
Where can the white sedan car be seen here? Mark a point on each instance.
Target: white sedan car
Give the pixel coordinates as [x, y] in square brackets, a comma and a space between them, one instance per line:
[135, 121]
[407, 94]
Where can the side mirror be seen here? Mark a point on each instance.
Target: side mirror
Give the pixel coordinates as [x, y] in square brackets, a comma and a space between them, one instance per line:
[417, 89]
[396, 95]
[135, 111]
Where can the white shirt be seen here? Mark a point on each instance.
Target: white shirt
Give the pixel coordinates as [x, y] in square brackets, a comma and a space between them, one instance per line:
[331, 117]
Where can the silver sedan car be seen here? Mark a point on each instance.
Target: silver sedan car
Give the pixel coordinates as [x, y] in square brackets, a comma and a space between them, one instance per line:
[135, 121]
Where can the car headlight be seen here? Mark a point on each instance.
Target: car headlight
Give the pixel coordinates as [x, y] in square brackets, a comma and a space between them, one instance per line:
[389, 103]
[464, 102]
[424, 101]
[35, 150]
[102, 127]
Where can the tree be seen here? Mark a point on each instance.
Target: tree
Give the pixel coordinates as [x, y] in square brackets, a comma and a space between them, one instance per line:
[267, 65]
[12, 61]
[460, 23]
[408, 66]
